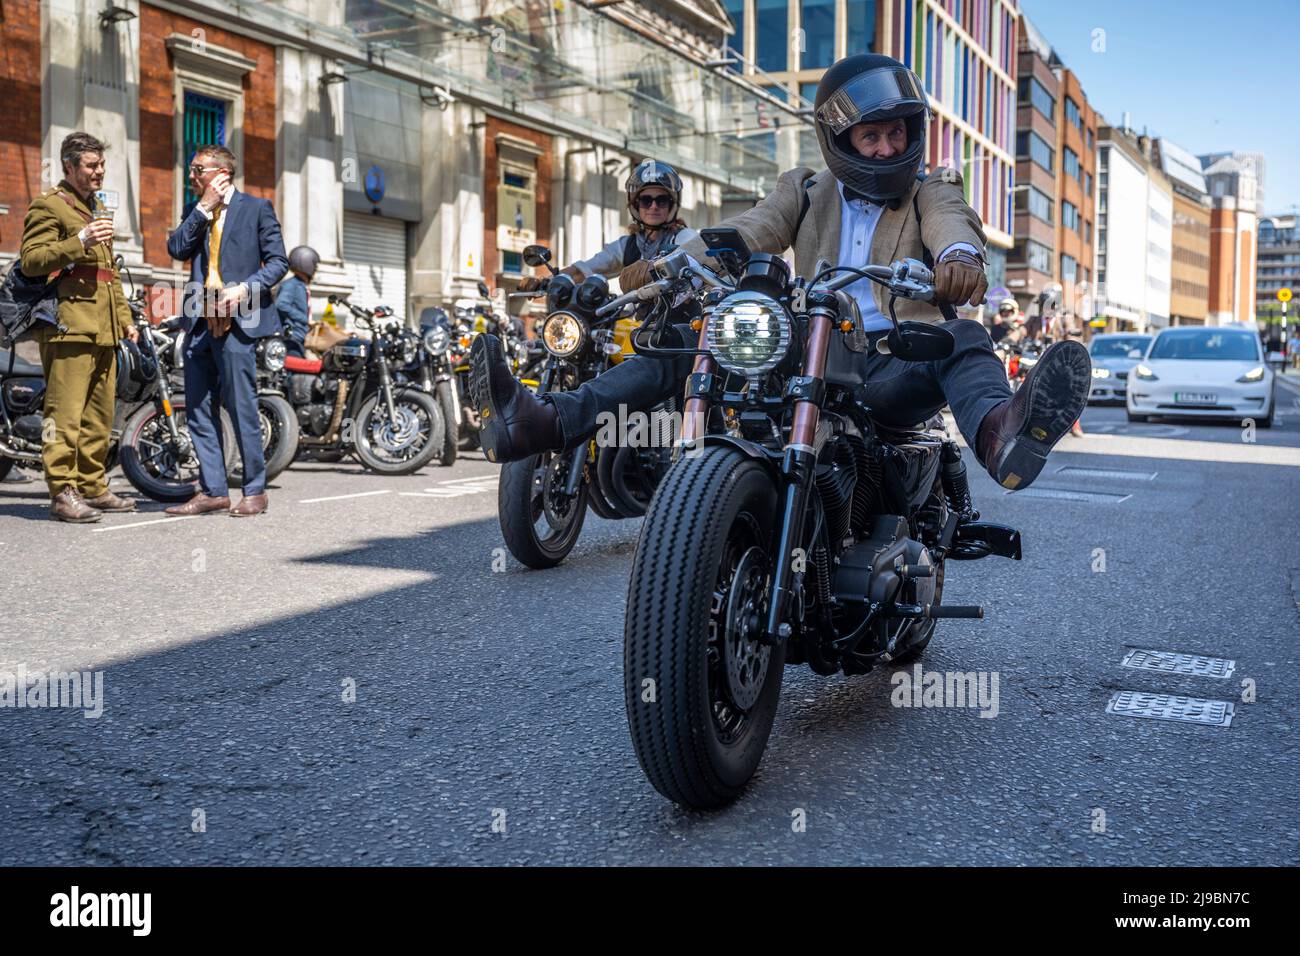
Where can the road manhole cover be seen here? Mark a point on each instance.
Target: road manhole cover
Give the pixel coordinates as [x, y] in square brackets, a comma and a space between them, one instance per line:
[1169, 662]
[1188, 710]
[1120, 474]
[1062, 494]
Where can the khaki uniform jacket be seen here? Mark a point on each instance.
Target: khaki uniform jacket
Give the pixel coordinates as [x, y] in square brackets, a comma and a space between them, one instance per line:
[773, 226]
[93, 311]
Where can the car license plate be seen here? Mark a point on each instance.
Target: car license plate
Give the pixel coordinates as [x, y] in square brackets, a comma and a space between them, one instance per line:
[1196, 398]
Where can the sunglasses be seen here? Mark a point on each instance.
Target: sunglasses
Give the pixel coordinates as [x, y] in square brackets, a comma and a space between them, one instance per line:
[200, 170]
[663, 202]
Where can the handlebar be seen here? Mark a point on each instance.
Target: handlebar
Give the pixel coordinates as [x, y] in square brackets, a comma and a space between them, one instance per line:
[649, 291]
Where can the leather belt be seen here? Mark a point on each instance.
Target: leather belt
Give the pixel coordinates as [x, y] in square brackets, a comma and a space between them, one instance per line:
[89, 274]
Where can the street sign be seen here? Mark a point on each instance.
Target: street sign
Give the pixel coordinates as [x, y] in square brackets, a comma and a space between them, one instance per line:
[1284, 295]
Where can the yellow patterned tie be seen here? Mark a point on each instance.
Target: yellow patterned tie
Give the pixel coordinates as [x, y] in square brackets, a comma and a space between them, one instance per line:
[214, 248]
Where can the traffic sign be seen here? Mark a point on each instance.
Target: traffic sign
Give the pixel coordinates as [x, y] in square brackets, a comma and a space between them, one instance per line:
[1284, 295]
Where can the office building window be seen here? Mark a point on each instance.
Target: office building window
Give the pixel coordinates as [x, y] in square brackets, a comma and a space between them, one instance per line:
[736, 10]
[1090, 141]
[771, 35]
[1072, 167]
[1035, 255]
[1029, 145]
[818, 24]
[808, 91]
[1068, 268]
[1031, 91]
[1035, 203]
[1070, 216]
[1072, 114]
[1087, 184]
[861, 22]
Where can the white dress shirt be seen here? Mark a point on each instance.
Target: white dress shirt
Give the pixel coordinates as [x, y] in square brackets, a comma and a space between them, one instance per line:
[858, 219]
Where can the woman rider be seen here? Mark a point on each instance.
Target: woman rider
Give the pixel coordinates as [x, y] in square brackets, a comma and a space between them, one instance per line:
[654, 194]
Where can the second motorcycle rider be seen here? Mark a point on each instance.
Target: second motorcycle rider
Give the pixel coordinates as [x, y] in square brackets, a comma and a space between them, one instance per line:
[874, 205]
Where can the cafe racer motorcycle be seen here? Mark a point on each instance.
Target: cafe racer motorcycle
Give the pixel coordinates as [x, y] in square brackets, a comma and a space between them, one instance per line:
[542, 501]
[790, 528]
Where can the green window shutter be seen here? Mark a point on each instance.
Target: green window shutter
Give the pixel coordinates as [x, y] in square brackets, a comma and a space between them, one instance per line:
[203, 124]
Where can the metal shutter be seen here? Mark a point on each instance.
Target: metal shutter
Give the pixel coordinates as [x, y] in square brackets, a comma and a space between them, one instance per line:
[374, 258]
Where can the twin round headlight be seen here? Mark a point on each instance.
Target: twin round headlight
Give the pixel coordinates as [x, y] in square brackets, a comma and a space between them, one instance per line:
[436, 339]
[748, 333]
[564, 334]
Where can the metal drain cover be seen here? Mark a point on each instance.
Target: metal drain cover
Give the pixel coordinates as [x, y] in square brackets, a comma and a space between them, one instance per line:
[1190, 710]
[1169, 662]
[1123, 474]
[1062, 494]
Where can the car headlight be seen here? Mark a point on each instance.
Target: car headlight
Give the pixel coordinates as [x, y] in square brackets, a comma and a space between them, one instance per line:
[1141, 371]
[436, 340]
[563, 334]
[1101, 373]
[273, 352]
[1256, 374]
[748, 333]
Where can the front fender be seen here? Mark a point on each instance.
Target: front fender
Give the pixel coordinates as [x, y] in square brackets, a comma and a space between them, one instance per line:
[769, 458]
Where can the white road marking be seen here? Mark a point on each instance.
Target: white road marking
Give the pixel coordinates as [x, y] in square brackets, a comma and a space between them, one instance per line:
[141, 524]
[359, 494]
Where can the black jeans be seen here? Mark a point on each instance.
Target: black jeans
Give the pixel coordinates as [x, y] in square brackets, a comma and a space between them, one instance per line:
[901, 394]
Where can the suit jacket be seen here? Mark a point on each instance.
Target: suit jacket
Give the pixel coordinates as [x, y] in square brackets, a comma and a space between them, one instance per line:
[252, 252]
[773, 226]
[93, 311]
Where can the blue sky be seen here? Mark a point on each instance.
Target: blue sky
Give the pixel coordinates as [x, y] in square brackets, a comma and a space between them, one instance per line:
[1209, 76]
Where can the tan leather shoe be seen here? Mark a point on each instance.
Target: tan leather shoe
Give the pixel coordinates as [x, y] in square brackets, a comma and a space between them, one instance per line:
[68, 505]
[200, 504]
[248, 506]
[110, 502]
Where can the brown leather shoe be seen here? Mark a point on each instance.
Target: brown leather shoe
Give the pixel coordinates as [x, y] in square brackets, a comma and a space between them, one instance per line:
[68, 505]
[1015, 437]
[110, 502]
[248, 506]
[200, 504]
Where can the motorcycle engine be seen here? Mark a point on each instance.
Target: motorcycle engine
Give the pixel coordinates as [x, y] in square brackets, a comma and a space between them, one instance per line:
[867, 570]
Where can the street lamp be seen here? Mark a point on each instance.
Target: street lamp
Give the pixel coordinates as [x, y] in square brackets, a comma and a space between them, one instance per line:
[113, 14]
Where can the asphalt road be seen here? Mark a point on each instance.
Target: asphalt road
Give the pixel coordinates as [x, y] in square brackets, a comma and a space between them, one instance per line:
[487, 723]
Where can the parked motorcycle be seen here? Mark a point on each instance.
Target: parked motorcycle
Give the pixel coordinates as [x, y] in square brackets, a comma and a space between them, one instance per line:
[431, 370]
[348, 402]
[525, 355]
[791, 527]
[542, 500]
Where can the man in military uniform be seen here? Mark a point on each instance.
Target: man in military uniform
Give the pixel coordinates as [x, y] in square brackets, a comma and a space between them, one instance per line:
[64, 239]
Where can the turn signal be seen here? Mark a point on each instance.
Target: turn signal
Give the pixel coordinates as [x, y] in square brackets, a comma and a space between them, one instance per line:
[167, 408]
[846, 325]
[696, 324]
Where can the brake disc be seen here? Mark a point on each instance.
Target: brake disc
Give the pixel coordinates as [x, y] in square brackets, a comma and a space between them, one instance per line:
[746, 659]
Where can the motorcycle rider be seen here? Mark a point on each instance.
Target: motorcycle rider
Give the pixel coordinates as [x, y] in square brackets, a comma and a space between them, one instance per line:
[1003, 320]
[654, 198]
[293, 299]
[872, 206]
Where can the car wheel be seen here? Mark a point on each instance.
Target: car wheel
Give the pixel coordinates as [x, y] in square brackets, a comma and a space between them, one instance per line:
[1136, 418]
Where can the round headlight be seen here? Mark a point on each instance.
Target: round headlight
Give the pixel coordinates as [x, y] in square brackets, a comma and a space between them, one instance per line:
[273, 353]
[748, 333]
[563, 334]
[436, 339]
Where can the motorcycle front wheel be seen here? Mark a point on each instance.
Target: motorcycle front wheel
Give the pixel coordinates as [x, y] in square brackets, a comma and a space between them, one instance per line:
[700, 691]
[540, 524]
[402, 446]
[279, 424]
[154, 465]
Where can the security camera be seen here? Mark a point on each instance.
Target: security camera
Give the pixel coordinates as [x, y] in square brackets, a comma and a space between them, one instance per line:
[444, 97]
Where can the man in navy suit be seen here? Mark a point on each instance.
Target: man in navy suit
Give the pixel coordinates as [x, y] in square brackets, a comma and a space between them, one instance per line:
[236, 255]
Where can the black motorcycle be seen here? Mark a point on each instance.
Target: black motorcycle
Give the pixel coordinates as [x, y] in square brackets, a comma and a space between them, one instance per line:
[427, 364]
[542, 500]
[348, 402]
[791, 527]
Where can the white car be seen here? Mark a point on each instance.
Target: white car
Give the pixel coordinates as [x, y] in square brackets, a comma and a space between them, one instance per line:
[1203, 372]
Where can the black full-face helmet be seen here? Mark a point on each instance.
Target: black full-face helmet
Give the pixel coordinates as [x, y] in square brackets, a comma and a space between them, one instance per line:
[871, 88]
[651, 172]
[137, 371]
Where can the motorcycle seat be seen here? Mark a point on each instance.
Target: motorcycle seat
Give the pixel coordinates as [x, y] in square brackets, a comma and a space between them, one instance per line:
[25, 369]
[293, 363]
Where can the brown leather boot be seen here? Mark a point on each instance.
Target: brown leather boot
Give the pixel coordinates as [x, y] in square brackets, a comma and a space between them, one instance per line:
[200, 504]
[110, 502]
[249, 505]
[1015, 437]
[68, 505]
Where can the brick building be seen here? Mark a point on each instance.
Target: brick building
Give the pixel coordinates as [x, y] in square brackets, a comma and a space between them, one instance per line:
[1233, 186]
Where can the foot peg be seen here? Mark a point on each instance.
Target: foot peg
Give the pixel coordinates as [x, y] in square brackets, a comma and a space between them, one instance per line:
[979, 539]
[933, 611]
